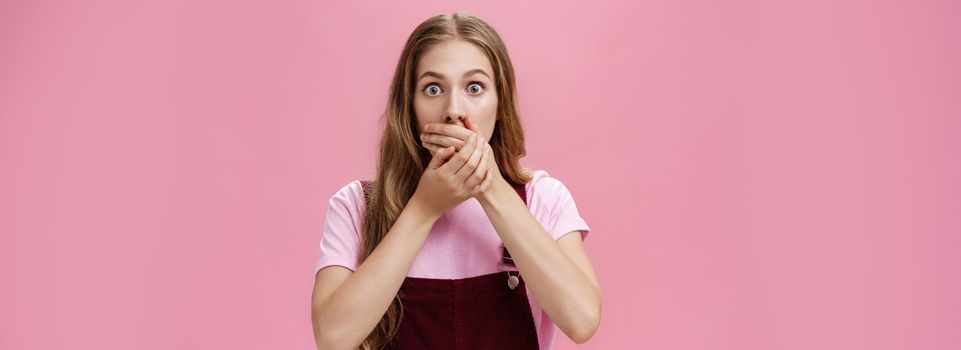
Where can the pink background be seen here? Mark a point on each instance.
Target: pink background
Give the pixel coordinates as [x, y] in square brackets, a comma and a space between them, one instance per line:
[757, 174]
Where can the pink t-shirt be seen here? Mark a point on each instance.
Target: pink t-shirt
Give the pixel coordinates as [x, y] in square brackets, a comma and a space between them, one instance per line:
[462, 243]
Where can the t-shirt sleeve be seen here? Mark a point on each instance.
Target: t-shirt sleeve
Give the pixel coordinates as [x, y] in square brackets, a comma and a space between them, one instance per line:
[340, 241]
[559, 208]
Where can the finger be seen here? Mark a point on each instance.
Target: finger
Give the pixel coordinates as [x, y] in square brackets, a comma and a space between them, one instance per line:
[459, 158]
[442, 140]
[476, 152]
[452, 130]
[470, 124]
[432, 147]
[442, 155]
[485, 184]
[477, 176]
[492, 160]
[487, 181]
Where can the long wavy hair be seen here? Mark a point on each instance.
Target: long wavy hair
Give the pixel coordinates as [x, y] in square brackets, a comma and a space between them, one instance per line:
[402, 160]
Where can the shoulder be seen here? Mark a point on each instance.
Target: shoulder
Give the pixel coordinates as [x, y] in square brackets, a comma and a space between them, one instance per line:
[546, 190]
[542, 181]
[350, 195]
[552, 204]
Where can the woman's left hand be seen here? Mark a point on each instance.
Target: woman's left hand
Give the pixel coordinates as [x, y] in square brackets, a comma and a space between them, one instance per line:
[437, 136]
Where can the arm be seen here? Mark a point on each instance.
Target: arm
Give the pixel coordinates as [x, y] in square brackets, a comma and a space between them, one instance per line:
[345, 306]
[558, 273]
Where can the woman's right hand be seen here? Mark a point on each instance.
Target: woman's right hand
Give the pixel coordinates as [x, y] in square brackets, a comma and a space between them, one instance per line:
[454, 176]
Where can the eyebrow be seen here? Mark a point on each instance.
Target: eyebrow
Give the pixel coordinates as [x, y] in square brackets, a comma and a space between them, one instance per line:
[441, 76]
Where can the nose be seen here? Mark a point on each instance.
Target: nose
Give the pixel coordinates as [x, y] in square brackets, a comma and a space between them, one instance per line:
[457, 120]
[454, 112]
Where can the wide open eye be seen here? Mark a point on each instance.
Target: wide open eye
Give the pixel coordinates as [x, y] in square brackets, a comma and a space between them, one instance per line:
[432, 89]
[475, 88]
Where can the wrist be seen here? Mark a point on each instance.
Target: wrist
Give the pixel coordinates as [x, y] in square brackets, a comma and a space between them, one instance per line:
[497, 189]
[420, 212]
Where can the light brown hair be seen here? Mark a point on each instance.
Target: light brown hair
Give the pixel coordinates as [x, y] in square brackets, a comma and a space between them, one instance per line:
[401, 160]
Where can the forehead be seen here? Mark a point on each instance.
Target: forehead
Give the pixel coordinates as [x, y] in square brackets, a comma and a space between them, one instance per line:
[453, 58]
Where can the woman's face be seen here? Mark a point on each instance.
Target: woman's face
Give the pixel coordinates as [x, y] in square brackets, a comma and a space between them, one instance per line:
[455, 79]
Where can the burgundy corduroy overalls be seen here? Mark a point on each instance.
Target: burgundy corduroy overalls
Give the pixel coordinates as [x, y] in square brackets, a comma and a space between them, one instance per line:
[481, 312]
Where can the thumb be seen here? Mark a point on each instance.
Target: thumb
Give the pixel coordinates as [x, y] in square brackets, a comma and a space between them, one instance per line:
[440, 157]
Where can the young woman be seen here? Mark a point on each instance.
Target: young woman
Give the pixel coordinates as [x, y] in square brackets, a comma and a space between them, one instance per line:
[453, 245]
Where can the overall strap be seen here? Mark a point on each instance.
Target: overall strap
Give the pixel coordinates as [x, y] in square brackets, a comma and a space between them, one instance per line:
[506, 258]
